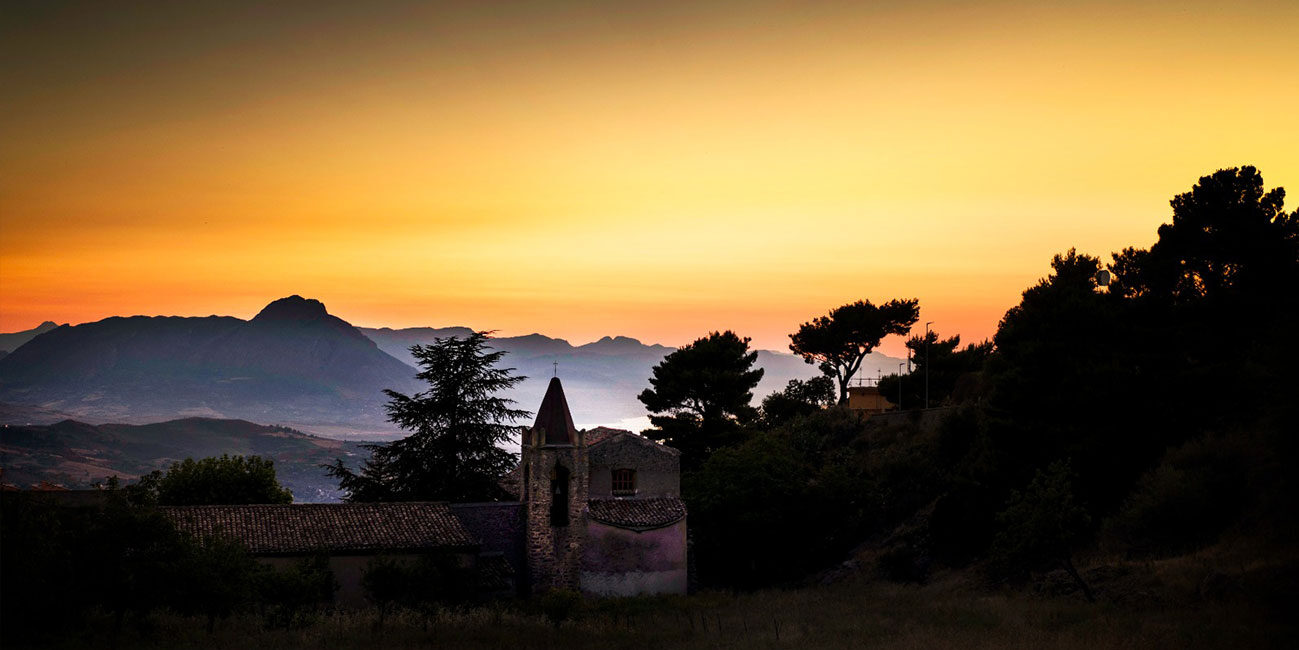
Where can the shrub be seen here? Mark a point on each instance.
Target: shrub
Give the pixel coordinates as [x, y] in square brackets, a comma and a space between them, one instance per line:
[289, 597]
[1041, 526]
[429, 580]
[560, 605]
[1185, 502]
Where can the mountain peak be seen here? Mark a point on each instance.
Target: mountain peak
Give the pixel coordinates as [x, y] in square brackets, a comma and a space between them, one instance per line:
[293, 308]
[618, 340]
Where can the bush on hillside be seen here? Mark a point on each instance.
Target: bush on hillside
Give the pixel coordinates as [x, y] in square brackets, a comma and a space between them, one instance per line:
[1186, 502]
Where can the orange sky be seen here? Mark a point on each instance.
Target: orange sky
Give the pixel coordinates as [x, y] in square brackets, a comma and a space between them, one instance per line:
[651, 169]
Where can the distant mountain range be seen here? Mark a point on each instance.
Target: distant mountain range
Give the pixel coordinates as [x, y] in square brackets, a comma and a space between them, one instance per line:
[11, 342]
[292, 363]
[297, 365]
[75, 454]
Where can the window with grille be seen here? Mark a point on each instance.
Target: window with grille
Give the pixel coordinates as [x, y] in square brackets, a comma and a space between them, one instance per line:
[624, 482]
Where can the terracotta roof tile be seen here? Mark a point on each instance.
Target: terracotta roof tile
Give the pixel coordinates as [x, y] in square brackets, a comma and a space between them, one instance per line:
[600, 434]
[637, 514]
[512, 483]
[308, 527]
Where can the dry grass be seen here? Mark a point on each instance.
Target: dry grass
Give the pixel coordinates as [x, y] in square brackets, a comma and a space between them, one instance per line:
[943, 614]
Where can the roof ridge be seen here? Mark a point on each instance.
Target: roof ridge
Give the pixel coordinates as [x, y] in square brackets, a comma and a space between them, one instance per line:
[342, 504]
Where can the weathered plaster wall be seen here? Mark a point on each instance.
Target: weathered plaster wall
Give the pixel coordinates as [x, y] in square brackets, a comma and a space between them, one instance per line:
[620, 562]
[658, 470]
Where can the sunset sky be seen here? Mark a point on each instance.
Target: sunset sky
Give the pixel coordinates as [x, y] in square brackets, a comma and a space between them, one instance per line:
[655, 169]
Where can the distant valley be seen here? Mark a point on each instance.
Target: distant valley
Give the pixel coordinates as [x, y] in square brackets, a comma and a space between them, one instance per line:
[76, 454]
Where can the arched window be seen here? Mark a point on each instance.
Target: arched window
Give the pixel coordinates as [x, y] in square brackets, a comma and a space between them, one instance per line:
[559, 496]
[624, 482]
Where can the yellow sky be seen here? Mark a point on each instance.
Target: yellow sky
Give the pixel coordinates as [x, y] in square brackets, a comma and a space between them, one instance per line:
[655, 170]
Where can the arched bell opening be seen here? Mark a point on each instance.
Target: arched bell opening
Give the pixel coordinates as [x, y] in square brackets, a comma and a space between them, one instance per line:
[559, 480]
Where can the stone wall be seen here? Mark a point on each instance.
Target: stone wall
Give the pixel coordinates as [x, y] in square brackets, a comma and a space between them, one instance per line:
[658, 468]
[554, 552]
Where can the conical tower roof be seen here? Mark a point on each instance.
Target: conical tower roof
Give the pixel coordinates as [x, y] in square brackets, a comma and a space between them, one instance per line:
[554, 421]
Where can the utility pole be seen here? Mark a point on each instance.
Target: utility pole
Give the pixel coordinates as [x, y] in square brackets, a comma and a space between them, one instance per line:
[927, 362]
[900, 385]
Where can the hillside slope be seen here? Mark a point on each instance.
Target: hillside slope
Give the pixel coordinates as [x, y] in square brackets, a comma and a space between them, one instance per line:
[75, 454]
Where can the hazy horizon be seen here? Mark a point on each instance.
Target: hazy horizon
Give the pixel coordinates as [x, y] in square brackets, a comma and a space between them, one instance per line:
[656, 170]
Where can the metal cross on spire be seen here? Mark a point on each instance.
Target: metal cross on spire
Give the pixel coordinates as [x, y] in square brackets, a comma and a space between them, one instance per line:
[556, 364]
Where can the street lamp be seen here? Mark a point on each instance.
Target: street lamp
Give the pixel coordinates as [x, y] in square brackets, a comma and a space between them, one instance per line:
[927, 362]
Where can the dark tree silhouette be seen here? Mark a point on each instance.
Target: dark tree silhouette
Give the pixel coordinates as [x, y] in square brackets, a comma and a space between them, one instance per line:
[800, 398]
[1042, 525]
[1228, 236]
[224, 480]
[839, 341]
[947, 363]
[1225, 269]
[457, 428]
[1064, 349]
[701, 393]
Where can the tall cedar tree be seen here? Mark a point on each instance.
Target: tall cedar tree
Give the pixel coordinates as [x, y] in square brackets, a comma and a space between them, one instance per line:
[457, 428]
[840, 340]
[701, 393]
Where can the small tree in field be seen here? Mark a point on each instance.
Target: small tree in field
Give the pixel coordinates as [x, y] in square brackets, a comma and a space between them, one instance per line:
[840, 340]
[1042, 525]
[457, 428]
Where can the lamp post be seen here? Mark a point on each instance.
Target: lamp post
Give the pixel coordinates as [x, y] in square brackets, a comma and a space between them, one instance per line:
[927, 362]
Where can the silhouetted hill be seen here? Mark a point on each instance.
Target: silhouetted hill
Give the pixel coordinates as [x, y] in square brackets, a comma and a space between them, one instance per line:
[13, 341]
[76, 454]
[292, 363]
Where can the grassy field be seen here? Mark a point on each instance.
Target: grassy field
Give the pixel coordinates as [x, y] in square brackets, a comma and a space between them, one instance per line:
[947, 613]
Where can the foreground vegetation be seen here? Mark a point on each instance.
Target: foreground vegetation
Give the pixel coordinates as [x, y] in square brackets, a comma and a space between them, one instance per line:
[1191, 602]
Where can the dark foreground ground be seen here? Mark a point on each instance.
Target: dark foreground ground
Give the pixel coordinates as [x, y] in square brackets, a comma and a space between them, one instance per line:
[1197, 601]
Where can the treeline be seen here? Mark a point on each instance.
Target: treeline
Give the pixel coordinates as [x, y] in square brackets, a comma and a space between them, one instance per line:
[64, 563]
[1141, 407]
[71, 557]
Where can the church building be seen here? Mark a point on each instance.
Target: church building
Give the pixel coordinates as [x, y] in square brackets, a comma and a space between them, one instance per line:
[603, 507]
[598, 511]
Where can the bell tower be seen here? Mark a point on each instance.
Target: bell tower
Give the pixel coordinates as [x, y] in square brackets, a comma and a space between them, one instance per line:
[555, 483]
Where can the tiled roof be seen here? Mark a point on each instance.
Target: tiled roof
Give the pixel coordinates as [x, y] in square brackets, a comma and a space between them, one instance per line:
[308, 527]
[637, 514]
[600, 434]
[512, 483]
